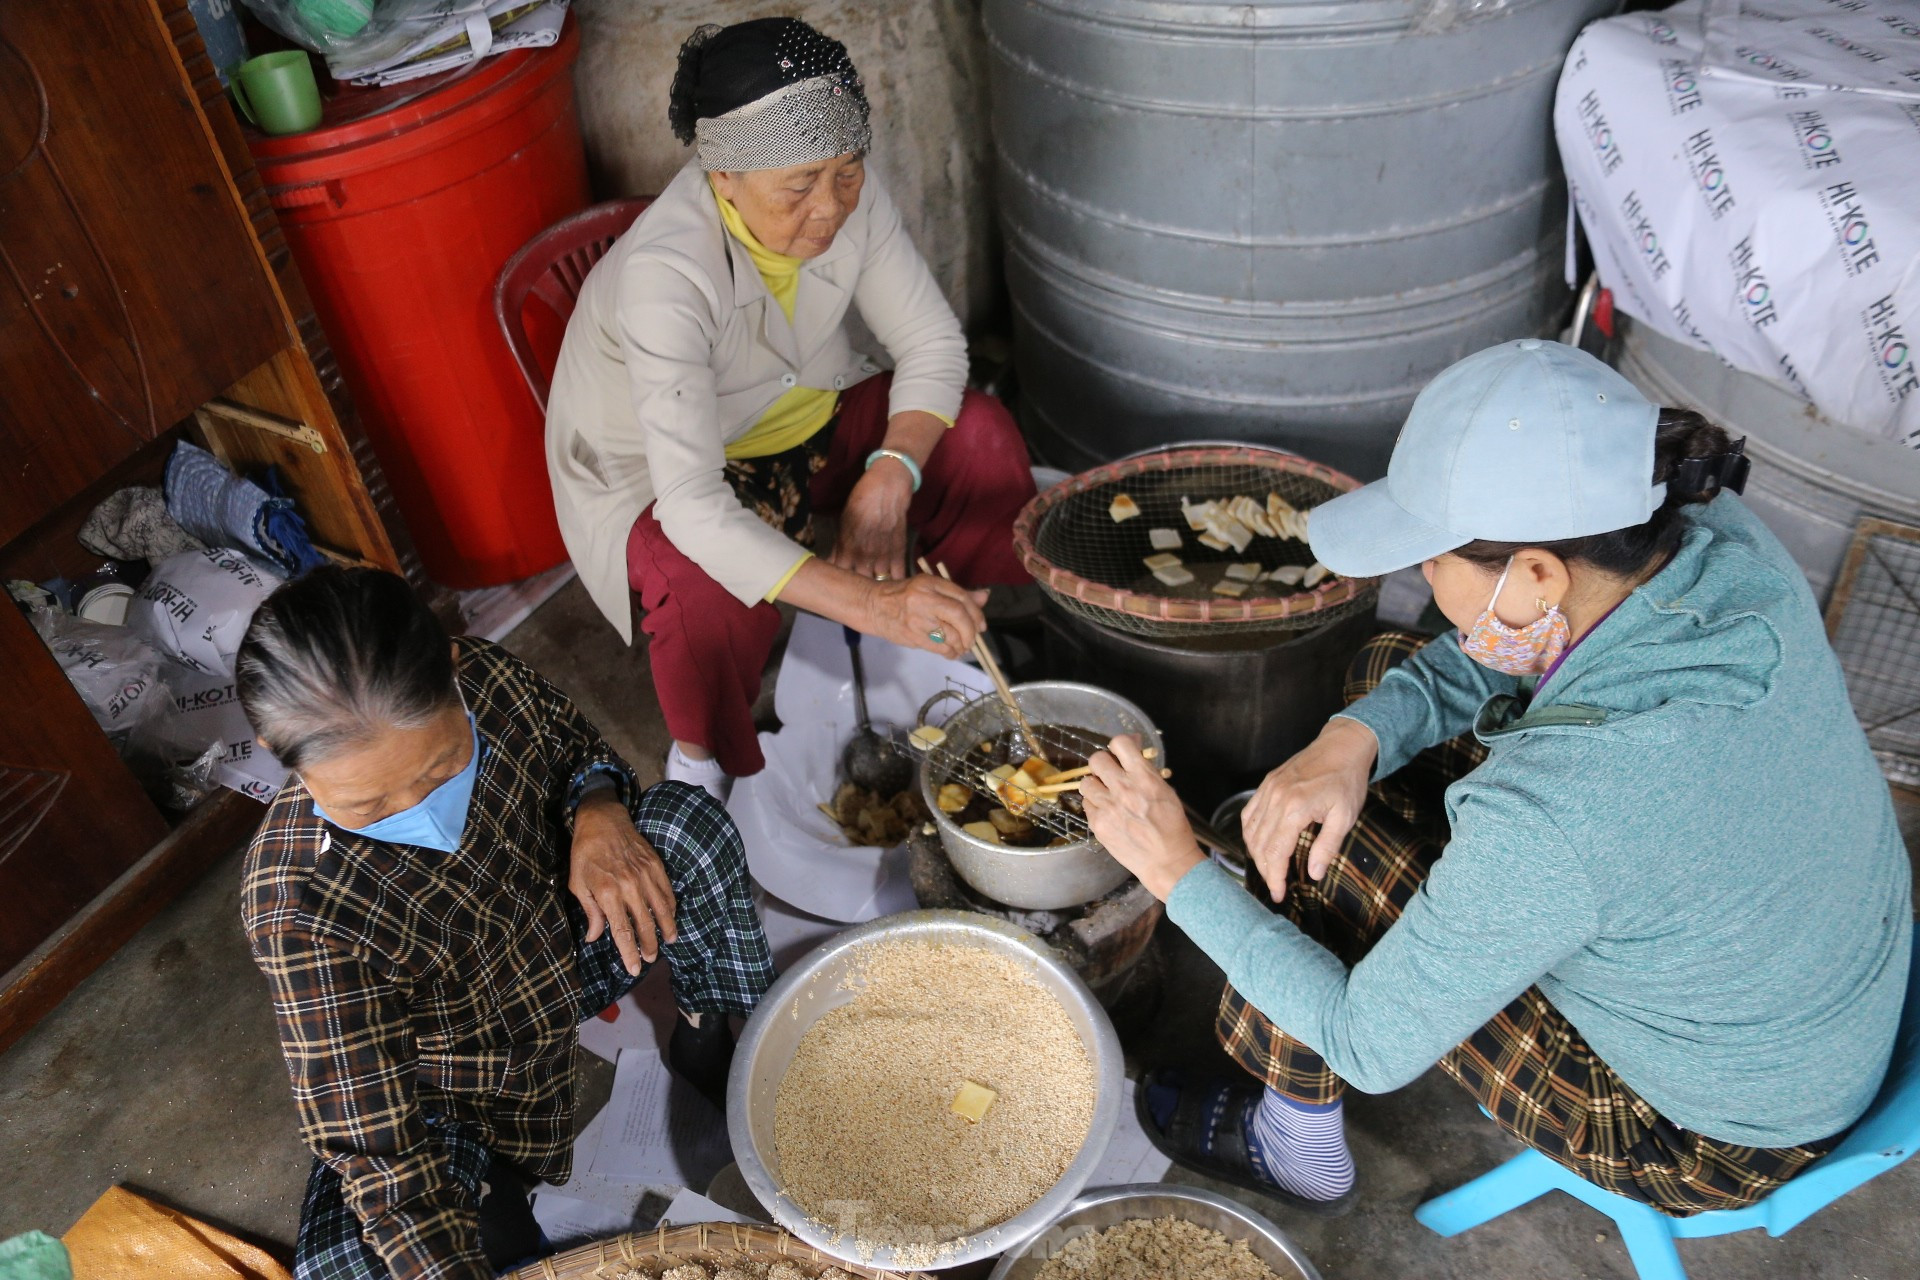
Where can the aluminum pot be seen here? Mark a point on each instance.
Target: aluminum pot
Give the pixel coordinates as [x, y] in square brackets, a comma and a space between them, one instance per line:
[1036, 879]
[1108, 1206]
[815, 985]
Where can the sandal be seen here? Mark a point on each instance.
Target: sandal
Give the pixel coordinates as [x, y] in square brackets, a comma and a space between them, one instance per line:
[1207, 1135]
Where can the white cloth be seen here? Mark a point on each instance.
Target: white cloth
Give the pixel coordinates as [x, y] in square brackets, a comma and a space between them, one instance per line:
[676, 348]
[1748, 175]
[795, 851]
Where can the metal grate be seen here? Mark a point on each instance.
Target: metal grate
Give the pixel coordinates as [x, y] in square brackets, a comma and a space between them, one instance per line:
[1093, 566]
[985, 735]
[1873, 621]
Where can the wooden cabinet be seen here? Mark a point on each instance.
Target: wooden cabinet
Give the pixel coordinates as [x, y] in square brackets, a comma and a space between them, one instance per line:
[132, 291]
[146, 295]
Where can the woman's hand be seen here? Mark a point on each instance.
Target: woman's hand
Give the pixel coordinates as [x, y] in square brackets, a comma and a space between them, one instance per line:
[906, 611]
[620, 881]
[910, 611]
[1138, 819]
[1326, 783]
[873, 525]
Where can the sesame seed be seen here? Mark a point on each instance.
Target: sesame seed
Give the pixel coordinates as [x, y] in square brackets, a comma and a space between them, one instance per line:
[864, 1118]
[1151, 1248]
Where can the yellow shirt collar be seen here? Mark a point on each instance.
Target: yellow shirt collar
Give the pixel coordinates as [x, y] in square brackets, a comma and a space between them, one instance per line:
[765, 260]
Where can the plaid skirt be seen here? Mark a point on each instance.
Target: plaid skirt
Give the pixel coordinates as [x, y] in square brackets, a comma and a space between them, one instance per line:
[719, 963]
[1528, 1067]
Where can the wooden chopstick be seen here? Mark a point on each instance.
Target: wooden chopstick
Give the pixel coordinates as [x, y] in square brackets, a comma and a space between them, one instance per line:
[1055, 788]
[984, 656]
[1069, 775]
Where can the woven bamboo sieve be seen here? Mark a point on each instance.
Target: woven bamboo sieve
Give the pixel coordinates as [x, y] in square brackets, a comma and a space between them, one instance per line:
[708, 1243]
[1091, 566]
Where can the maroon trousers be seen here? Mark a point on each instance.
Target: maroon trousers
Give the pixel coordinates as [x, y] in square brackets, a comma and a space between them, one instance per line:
[708, 650]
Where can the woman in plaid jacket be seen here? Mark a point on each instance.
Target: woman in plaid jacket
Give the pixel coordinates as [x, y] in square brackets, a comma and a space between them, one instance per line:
[459, 871]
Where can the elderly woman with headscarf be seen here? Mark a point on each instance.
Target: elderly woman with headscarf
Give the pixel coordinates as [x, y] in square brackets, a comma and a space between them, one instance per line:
[459, 871]
[708, 399]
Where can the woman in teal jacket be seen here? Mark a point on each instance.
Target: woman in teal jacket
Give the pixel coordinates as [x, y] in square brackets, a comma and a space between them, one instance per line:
[1659, 924]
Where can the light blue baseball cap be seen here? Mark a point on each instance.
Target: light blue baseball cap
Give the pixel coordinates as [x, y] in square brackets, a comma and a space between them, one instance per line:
[1530, 441]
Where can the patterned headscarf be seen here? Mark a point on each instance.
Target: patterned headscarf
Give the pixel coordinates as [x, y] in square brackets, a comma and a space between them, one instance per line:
[767, 94]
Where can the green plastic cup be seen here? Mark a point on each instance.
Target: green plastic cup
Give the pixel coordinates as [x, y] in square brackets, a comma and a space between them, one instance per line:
[277, 91]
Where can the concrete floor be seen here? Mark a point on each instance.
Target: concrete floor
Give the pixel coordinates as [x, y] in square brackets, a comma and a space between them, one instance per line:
[162, 1072]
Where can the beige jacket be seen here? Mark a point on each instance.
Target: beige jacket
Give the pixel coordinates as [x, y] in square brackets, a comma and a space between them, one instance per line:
[676, 348]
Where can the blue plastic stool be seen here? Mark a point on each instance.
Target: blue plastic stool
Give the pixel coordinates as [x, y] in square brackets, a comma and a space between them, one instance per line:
[1887, 1134]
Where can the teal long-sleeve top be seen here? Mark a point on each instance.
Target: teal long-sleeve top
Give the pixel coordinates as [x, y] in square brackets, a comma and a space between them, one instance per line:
[1683, 839]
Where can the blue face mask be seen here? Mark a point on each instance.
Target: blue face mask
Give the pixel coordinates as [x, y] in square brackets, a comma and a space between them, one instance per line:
[437, 821]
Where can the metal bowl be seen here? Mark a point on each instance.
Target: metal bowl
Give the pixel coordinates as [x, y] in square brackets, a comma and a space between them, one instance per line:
[1037, 879]
[1108, 1206]
[814, 986]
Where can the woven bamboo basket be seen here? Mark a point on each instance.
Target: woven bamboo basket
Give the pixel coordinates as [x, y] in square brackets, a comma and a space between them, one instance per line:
[1092, 566]
[708, 1243]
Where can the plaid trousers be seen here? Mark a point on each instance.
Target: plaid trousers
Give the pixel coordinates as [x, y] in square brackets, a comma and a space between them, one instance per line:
[720, 963]
[1528, 1067]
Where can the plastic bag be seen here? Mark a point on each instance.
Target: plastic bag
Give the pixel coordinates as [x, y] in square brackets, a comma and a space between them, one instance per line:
[187, 783]
[115, 672]
[196, 606]
[181, 731]
[1438, 17]
[207, 718]
[360, 35]
[320, 25]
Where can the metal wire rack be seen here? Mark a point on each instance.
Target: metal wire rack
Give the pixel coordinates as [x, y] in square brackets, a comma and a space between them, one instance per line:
[1092, 566]
[984, 735]
[1873, 621]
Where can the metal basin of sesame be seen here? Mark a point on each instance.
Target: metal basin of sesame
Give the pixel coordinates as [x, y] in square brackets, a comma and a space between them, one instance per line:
[1105, 1207]
[815, 985]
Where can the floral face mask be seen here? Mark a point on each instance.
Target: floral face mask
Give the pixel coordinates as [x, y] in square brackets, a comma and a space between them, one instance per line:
[1516, 651]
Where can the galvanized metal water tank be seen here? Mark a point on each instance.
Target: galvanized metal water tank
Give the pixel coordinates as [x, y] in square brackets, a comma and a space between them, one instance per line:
[1813, 479]
[1269, 221]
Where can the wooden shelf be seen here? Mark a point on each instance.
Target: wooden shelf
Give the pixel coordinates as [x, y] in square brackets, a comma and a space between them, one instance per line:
[152, 279]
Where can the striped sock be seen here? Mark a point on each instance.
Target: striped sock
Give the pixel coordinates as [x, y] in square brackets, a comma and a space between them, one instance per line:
[1300, 1146]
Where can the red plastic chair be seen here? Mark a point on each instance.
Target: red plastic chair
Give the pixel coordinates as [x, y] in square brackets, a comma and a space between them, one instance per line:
[550, 268]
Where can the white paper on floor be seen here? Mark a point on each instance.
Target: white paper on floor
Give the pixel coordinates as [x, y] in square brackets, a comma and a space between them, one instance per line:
[569, 1221]
[690, 1207]
[796, 852]
[658, 1131]
[611, 1195]
[1131, 1156]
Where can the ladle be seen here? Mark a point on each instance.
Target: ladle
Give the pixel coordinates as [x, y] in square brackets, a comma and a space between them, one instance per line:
[870, 760]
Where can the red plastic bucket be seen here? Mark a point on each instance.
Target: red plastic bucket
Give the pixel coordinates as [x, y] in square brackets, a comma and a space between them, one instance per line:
[401, 208]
